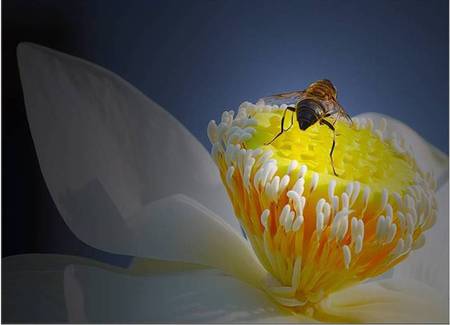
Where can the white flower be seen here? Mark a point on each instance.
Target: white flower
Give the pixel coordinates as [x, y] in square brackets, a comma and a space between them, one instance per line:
[129, 179]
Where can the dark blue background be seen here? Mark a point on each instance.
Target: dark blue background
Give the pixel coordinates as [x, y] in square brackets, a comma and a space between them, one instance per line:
[197, 58]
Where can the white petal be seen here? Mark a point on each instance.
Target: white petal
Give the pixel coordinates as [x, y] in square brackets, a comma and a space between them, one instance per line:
[427, 156]
[105, 149]
[197, 296]
[387, 301]
[33, 288]
[180, 229]
[52, 288]
[429, 264]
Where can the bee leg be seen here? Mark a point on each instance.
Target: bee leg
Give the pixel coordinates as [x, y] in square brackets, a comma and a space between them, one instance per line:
[292, 109]
[323, 121]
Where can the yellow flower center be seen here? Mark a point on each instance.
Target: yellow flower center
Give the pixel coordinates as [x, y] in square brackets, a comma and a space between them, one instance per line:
[314, 232]
[359, 154]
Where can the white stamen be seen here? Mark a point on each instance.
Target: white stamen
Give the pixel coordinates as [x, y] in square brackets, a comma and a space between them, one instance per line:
[297, 201]
[331, 187]
[358, 244]
[258, 177]
[212, 131]
[326, 212]
[265, 217]
[349, 189]
[342, 228]
[409, 202]
[284, 213]
[347, 256]
[284, 183]
[361, 227]
[293, 165]
[335, 205]
[302, 171]
[319, 206]
[319, 224]
[409, 223]
[264, 158]
[381, 228]
[288, 221]
[388, 220]
[391, 233]
[384, 199]
[355, 193]
[345, 201]
[398, 199]
[314, 182]
[273, 188]
[299, 186]
[297, 223]
[248, 170]
[389, 211]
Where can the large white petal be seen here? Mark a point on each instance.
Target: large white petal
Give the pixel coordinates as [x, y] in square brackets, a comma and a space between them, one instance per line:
[197, 296]
[429, 264]
[427, 156]
[55, 288]
[386, 301]
[180, 229]
[33, 287]
[106, 150]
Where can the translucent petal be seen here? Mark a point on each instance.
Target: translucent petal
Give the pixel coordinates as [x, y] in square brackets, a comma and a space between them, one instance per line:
[179, 229]
[106, 150]
[387, 301]
[429, 264]
[52, 288]
[428, 157]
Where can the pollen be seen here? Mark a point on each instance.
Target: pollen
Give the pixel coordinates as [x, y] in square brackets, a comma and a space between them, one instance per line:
[314, 232]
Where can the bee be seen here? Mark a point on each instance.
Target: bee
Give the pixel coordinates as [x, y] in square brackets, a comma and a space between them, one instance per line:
[314, 104]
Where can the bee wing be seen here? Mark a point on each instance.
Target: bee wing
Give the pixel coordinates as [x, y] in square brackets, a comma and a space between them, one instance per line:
[288, 98]
[343, 113]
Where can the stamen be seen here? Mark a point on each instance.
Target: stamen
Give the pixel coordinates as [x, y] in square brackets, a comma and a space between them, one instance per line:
[284, 183]
[377, 213]
[331, 188]
[293, 165]
[347, 256]
[297, 223]
[314, 182]
[358, 244]
[265, 217]
[355, 194]
[299, 186]
[319, 224]
[303, 170]
[212, 131]
[284, 214]
[381, 228]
